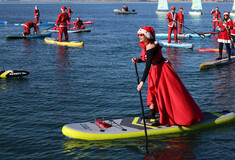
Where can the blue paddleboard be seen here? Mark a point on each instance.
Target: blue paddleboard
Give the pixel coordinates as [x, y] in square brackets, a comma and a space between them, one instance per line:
[177, 45]
[165, 35]
[39, 24]
[3, 22]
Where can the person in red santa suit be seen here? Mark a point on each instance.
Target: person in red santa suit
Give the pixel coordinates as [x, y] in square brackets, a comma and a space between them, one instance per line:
[180, 19]
[232, 31]
[79, 24]
[224, 37]
[166, 93]
[172, 24]
[62, 22]
[69, 13]
[27, 26]
[36, 14]
[216, 17]
[124, 8]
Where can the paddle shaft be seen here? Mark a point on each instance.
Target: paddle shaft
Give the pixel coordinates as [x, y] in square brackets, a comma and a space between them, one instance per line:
[46, 29]
[142, 107]
[201, 35]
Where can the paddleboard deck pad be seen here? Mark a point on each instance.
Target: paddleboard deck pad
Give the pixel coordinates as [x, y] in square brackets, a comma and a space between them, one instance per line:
[217, 63]
[20, 36]
[134, 127]
[13, 73]
[177, 45]
[64, 43]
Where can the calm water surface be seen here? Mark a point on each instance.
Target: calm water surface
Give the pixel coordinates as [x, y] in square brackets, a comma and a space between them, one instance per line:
[68, 85]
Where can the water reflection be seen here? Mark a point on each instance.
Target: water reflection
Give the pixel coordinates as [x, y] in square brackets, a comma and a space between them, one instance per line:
[62, 74]
[172, 147]
[63, 58]
[173, 55]
[224, 87]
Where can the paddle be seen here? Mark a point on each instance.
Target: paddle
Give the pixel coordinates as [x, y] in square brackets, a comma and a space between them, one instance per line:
[141, 101]
[46, 30]
[201, 35]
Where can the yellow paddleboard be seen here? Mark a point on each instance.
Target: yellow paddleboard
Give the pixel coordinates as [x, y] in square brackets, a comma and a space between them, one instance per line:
[216, 63]
[64, 43]
[134, 127]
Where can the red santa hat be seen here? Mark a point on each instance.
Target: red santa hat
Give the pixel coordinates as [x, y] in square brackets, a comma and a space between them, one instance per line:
[181, 8]
[148, 32]
[217, 7]
[77, 17]
[173, 7]
[63, 8]
[226, 13]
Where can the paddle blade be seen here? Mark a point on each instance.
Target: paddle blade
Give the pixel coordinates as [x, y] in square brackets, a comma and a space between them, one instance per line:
[43, 31]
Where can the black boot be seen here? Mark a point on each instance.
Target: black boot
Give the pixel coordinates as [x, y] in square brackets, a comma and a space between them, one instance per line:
[229, 56]
[151, 115]
[220, 56]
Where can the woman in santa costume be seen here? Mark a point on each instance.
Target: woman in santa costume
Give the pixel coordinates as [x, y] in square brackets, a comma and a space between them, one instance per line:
[216, 17]
[62, 22]
[180, 19]
[166, 93]
[172, 24]
[224, 36]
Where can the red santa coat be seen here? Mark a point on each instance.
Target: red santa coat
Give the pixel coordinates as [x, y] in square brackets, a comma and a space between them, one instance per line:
[36, 13]
[180, 17]
[224, 36]
[28, 25]
[62, 20]
[172, 20]
[232, 31]
[216, 15]
[31, 24]
[165, 89]
[69, 12]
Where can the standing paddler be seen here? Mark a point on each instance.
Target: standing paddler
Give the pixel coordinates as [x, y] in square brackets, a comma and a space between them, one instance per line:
[172, 24]
[224, 36]
[216, 17]
[166, 93]
[36, 14]
[180, 19]
[69, 13]
[62, 22]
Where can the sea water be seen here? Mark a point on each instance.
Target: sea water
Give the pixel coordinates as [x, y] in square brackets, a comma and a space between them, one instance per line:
[68, 85]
